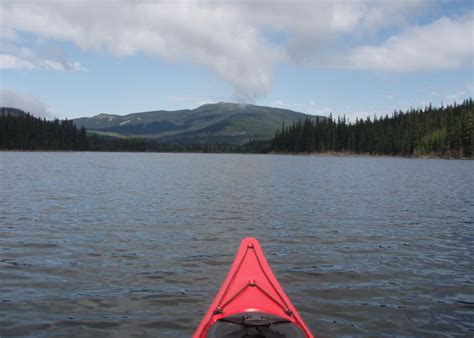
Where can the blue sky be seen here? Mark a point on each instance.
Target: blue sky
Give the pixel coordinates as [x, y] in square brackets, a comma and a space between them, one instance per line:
[358, 58]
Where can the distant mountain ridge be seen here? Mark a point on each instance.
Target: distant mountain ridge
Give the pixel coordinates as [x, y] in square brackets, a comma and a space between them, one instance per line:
[221, 122]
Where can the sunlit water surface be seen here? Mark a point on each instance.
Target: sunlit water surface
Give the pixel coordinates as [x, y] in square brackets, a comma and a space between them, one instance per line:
[122, 244]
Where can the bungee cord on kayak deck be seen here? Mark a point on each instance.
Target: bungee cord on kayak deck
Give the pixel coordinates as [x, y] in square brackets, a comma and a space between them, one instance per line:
[251, 302]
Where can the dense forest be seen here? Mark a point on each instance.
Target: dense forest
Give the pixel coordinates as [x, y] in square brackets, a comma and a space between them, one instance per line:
[22, 131]
[446, 131]
[26, 132]
[103, 143]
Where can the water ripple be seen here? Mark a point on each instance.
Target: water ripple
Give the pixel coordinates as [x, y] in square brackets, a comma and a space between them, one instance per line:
[110, 244]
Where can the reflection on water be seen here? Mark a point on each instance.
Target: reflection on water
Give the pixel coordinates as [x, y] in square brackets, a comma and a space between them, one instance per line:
[104, 244]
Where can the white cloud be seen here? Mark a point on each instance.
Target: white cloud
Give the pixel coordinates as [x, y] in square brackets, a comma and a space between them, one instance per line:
[444, 44]
[8, 61]
[241, 41]
[26, 102]
[230, 38]
[14, 62]
[312, 30]
[205, 33]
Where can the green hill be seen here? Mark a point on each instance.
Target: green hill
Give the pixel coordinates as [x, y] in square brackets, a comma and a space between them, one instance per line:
[208, 124]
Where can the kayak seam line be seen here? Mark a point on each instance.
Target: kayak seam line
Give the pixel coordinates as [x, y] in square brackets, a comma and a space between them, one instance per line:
[286, 307]
[232, 279]
[270, 281]
[234, 296]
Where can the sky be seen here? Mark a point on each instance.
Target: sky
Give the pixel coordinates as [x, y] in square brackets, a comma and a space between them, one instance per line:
[75, 58]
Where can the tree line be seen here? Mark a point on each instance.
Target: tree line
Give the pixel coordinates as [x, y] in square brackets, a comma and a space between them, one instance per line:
[446, 131]
[26, 132]
[435, 131]
[23, 131]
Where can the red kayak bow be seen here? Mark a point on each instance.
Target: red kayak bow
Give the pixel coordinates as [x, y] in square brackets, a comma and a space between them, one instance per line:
[251, 302]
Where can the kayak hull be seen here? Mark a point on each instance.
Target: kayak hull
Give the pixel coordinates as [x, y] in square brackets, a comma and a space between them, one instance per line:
[251, 288]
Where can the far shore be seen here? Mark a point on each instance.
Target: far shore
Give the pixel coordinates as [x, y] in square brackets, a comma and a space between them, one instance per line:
[307, 154]
[351, 154]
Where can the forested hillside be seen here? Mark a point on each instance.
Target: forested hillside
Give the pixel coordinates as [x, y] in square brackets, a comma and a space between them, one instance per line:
[431, 131]
[207, 125]
[22, 131]
[434, 131]
[25, 132]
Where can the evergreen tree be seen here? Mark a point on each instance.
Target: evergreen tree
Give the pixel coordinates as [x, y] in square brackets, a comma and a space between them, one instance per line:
[444, 131]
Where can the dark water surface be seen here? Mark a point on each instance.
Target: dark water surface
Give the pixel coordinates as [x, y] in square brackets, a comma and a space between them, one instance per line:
[120, 244]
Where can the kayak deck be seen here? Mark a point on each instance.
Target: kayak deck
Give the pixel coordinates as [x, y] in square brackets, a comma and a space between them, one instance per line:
[251, 288]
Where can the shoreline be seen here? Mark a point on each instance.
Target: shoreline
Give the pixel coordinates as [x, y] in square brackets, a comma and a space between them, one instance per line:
[349, 154]
[305, 154]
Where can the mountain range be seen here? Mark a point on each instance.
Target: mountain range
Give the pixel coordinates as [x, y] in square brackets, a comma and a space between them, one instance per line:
[223, 122]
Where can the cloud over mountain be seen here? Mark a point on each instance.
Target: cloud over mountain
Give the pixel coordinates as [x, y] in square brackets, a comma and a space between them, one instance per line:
[240, 41]
[26, 102]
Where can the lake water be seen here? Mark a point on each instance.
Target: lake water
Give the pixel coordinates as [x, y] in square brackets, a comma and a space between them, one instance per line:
[122, 244]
